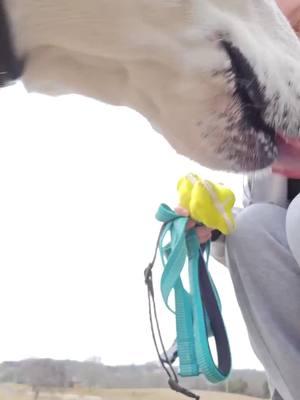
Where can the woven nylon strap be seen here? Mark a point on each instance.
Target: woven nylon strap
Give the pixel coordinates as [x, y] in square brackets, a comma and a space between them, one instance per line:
[198, 312]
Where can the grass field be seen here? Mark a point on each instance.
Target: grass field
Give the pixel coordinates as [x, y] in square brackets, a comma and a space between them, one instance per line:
[19, 392]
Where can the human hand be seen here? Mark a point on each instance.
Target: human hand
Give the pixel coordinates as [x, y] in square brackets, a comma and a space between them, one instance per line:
[203, 233]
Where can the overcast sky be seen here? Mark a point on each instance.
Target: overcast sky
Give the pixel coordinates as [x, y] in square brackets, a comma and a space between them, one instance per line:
[80, 183]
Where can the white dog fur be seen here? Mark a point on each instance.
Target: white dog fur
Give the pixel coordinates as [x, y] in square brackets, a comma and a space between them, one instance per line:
[165, 59]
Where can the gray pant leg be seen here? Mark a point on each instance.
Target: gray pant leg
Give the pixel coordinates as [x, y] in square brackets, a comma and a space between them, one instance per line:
[276, 396]
[293, 228]
[266, 278]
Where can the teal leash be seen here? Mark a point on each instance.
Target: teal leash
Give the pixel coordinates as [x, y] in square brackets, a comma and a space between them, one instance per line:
[198, 312]
[165, 362]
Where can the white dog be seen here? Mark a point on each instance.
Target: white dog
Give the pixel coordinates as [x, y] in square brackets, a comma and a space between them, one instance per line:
[218, 78]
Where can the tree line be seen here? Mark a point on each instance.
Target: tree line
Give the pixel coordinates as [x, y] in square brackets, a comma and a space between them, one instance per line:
[48, 373]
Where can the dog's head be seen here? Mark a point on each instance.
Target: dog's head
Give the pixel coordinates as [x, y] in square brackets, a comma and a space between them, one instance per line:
[219, 79]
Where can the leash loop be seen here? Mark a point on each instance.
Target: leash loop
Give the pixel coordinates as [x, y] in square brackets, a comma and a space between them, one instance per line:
[197, 311]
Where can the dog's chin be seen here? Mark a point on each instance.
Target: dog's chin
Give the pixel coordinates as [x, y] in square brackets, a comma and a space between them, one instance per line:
[252, 156]
[281, 154]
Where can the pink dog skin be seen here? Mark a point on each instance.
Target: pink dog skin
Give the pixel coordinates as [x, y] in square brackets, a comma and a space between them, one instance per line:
[288, 6]
[288, 161]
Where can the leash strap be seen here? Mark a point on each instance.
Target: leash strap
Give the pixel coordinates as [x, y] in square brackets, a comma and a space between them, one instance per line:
[165, 362]
[198, 312]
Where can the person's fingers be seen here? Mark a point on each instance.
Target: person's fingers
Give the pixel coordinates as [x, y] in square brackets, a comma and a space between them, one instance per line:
[183, 212]
[203, 234]
[204, 240]
[190, 224]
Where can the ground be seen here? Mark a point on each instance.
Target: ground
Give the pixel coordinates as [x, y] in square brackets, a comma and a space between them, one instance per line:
[19, 392]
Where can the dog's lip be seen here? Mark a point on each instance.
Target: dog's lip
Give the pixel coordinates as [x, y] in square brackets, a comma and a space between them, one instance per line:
[286, 151]
[249, 92]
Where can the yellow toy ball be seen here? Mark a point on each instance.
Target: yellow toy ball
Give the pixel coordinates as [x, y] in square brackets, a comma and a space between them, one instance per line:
[207, 202]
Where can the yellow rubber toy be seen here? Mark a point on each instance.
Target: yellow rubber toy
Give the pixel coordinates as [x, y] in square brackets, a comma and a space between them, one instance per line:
[207, 202]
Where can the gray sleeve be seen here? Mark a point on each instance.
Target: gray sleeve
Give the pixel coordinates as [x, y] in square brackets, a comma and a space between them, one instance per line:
[218, 247]
[259, 188]
[265, 187]
[218, 250]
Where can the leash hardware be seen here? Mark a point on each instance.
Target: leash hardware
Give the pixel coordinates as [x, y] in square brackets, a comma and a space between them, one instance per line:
[165, 362]
[174, 385]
